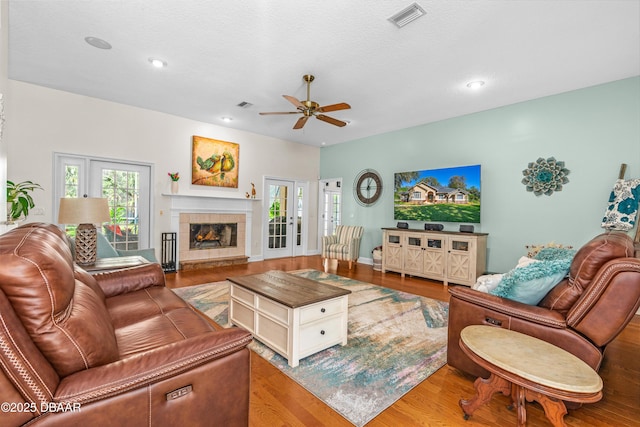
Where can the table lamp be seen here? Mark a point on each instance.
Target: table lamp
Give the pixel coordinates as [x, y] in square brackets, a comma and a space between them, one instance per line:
[86, 212]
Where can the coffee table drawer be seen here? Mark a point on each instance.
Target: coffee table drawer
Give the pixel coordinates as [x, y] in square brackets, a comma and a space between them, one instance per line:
[318, 335]
[321, 310]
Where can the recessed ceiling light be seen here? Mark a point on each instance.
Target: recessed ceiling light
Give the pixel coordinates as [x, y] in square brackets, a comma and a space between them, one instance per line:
[158, 63]
[96, 42]
[475, 84]
[226, 119]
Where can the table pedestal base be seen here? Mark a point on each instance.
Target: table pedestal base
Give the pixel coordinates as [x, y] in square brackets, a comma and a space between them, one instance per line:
[554, 409]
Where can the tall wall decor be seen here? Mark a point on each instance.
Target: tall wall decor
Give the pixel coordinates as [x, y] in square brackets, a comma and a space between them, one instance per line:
[622, 208]
[214, 162]
[545, 176]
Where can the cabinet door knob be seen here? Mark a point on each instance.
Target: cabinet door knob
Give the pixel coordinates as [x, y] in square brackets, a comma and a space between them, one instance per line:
[322, 332]
[322, 310]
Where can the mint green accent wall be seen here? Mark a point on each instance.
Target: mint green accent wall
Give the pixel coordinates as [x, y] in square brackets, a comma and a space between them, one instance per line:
[593, 130]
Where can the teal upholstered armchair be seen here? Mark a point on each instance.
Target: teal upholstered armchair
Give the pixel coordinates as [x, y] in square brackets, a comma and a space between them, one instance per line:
[344, 245]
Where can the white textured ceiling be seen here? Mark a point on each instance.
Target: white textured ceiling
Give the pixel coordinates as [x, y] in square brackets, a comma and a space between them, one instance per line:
[223, 52]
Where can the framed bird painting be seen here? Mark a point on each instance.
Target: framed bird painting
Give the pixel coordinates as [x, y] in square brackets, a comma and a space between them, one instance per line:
[214, 162]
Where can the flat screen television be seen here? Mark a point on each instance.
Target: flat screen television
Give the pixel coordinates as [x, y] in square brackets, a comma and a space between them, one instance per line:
[438, 195]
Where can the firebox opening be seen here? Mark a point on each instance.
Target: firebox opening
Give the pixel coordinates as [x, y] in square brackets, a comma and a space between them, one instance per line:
[213, 236]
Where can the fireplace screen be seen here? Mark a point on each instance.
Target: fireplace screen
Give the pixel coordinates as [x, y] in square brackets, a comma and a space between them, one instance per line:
[213, 236]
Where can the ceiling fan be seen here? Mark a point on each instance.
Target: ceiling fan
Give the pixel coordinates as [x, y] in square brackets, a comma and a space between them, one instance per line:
[310, 108]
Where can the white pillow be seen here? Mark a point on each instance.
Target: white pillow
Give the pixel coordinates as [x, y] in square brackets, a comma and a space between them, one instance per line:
[487, 282]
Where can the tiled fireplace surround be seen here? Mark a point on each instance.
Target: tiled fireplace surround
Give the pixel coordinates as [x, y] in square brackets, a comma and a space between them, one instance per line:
[189, 209]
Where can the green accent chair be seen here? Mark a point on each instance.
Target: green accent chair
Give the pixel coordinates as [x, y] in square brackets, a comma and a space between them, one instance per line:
[344, 245]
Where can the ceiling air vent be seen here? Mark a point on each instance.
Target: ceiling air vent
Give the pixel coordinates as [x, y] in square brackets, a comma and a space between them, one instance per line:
[244, 104]
[407, 15]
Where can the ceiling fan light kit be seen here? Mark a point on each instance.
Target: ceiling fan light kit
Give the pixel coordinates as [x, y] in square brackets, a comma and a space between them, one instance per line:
[311, 108]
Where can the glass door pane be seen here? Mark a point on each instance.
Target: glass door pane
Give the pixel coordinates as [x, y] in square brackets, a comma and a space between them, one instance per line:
[122, 190]
[126, 188]
[280, 214]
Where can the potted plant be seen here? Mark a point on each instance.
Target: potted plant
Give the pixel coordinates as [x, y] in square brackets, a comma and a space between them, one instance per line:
[19, 199]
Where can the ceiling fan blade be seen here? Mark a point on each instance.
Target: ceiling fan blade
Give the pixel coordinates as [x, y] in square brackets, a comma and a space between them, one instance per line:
[301, 121]
[294, 101]
[331, 120]
[333, 107]
[280, 112]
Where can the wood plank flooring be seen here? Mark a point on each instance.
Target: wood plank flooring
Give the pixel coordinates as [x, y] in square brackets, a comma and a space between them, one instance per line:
[276, 400]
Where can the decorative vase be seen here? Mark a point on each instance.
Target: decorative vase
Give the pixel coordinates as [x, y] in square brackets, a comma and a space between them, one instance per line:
[174, 187]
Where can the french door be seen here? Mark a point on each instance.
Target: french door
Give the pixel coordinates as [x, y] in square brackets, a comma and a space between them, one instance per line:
[126, 186]
[330, 206]
[285, 213]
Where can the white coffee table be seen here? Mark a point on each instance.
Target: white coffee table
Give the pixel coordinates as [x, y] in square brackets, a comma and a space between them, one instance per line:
[294, 316]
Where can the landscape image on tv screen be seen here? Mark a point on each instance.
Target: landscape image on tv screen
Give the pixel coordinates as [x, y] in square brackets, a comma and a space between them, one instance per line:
[443, 195]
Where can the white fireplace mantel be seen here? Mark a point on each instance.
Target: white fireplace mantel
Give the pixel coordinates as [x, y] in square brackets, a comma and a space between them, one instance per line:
[204, 203]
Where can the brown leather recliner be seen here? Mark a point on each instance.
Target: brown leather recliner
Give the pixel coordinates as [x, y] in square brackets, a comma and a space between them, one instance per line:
[581, 314]
[113, 349]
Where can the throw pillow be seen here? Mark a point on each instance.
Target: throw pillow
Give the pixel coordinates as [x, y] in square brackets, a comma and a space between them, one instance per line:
[553, 253]
[529, 284]
[488, 282]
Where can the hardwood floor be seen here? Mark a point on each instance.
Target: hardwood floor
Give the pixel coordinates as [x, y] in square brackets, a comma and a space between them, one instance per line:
[276, 400]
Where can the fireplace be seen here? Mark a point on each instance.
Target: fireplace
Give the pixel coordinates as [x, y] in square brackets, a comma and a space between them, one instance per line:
[211, 239]
[213, 235]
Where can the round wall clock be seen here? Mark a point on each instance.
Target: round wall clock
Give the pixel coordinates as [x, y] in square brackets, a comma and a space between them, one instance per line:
[367, 187]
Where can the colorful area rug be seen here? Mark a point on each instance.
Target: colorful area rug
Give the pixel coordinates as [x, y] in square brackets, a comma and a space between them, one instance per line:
[395, 341]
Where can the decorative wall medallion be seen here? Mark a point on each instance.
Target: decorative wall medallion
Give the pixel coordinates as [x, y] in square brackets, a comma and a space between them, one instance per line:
[545, 176]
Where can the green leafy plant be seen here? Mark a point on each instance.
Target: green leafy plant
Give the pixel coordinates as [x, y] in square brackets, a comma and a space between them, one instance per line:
[19, 198]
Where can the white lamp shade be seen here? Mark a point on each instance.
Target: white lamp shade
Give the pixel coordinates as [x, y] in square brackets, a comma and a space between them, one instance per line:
[84, 210]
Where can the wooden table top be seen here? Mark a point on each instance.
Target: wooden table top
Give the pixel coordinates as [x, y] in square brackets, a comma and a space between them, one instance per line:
[287, 289]
[531, 358]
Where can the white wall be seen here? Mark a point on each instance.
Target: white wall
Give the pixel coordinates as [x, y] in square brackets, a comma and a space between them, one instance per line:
[43, 121]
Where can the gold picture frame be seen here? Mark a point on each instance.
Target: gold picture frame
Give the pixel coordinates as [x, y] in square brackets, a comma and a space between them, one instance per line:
[214, 162]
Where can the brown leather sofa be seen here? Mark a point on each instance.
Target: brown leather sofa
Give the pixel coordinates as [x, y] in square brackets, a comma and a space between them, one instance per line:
[113, 349]
[581, 314]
